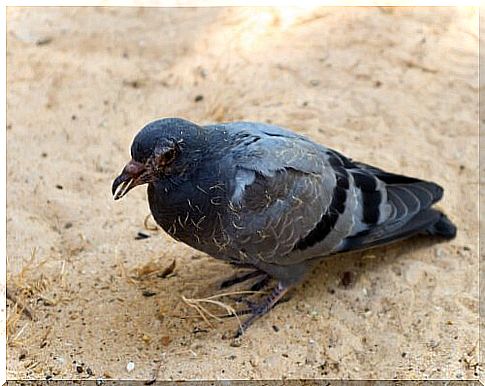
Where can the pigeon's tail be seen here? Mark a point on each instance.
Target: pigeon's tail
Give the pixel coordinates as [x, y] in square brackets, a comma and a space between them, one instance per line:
[428, 222]
[443, 227]
[410, 200]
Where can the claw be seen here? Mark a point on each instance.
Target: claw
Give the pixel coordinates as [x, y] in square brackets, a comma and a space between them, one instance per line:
[239, 279]
[261, 309]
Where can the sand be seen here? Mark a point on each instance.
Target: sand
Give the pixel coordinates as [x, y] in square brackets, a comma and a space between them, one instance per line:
[394, 87]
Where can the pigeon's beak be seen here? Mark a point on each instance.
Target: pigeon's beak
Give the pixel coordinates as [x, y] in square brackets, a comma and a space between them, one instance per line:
[128, 179]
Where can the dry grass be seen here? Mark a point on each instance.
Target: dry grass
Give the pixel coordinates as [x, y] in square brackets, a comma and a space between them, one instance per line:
[200, 305]
[153, 268]
[149, 270]
[31, 282]
[150, 227]
[14, 332]
[122, 271]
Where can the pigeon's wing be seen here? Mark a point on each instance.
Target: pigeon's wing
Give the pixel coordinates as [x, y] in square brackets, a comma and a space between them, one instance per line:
[286, 194]
[387, 207]
[296, 200]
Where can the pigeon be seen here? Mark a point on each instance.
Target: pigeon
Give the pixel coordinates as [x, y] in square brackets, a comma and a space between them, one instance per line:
[262, 197]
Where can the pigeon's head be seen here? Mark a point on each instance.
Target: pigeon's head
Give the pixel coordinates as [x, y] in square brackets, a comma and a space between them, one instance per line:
[161, 149]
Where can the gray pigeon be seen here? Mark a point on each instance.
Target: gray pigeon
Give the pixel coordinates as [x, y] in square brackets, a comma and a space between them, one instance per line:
[263, 197]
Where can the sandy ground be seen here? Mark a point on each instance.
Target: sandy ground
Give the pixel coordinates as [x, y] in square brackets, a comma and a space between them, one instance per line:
[482, 195]
[397, 88]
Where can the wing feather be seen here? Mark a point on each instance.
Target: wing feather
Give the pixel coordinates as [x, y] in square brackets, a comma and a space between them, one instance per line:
[295, 200]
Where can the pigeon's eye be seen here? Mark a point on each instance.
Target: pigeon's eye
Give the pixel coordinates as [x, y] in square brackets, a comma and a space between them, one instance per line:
[165, 155]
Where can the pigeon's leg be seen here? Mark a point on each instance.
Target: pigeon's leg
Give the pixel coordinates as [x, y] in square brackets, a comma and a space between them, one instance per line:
[262, 308]
[263, 280]
[239, 279]
[261, 283]
[256, 287]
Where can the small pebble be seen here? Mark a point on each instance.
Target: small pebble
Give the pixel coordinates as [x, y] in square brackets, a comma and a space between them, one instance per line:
[165, 340]
[141, 236]
[347, 279]
[202, 72]
[311, 356]
[253, 361]
[43, 41]
[130, 366]
[440, 253]
[132, 83]
[314, 315]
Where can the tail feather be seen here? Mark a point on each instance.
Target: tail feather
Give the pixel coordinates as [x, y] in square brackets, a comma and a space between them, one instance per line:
[407, 200]
[429, 221]
[407, 195]
[410, 200]
[443, 227]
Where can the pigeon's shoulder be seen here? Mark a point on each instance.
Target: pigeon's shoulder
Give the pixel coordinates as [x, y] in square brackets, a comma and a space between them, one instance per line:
[265, 149]
[259, 128]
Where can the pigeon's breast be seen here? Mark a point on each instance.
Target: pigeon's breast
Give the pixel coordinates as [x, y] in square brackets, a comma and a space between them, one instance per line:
[191, 213]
